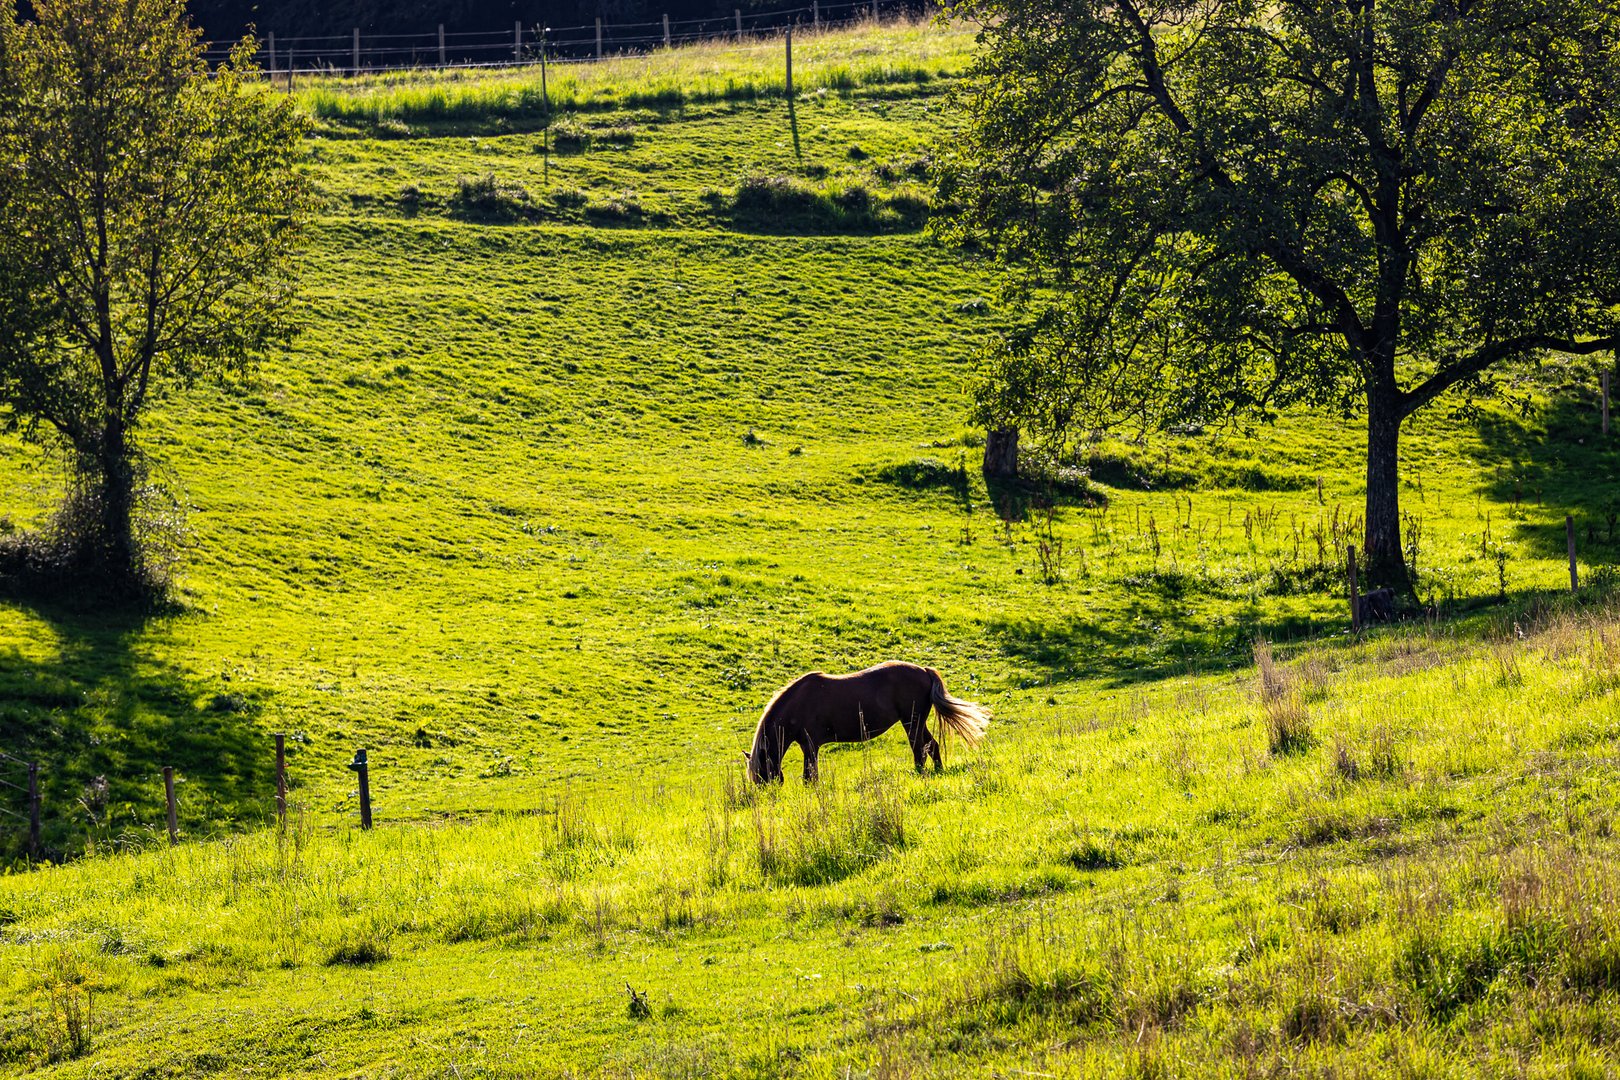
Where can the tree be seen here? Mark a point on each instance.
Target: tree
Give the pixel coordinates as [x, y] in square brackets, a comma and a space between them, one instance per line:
[149, 212]
[1219, 208]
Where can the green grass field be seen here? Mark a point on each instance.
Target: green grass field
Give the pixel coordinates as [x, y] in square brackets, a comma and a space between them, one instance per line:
[600, 431]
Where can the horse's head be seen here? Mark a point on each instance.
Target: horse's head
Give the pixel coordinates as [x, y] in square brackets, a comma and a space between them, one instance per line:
[761, 764]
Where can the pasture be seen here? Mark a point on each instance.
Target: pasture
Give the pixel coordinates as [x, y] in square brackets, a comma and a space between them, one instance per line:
[600, 432]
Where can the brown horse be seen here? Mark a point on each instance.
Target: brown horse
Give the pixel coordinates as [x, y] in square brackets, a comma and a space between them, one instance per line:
[816, 709]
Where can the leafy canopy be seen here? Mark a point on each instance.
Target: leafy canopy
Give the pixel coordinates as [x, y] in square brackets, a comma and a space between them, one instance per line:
[1224, 207]
[149, 215]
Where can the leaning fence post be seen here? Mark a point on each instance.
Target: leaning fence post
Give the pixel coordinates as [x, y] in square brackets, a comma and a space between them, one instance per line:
[281, 778]
[1355, 592]
[357, 50]
[33, 809]
[599, 38]
[666, 31]
[359, 766]
[1569, 533]
[168, 798]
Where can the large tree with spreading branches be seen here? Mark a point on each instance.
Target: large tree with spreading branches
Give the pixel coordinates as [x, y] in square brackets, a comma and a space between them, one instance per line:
[1216, 209]
[149, 211]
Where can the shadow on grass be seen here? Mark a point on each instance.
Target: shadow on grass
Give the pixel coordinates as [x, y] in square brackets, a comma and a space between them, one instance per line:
[1151, 639]
[1553, 463]
[102, 718]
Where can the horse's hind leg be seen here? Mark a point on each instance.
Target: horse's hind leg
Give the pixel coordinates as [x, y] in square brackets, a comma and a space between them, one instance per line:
[925, 746]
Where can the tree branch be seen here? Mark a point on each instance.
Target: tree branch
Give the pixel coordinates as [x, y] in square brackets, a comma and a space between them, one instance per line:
[1487, 356]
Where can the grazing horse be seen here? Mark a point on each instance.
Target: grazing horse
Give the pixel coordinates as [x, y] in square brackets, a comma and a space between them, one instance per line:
[815, 709]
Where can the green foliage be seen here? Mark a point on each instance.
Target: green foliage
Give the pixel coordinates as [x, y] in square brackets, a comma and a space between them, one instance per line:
[1256, 207]
[150, 216]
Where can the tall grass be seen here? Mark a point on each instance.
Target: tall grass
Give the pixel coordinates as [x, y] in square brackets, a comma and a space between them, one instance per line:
[1239, 912]
[836, 61]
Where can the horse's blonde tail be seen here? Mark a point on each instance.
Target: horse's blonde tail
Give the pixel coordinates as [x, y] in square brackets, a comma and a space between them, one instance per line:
[965, 718]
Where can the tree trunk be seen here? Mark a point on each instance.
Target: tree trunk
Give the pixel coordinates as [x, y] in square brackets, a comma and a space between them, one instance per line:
[1001, 453]
[114, 549]
[1386, 562]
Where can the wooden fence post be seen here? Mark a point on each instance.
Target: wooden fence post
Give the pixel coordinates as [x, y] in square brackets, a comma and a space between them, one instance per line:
[168, 797]
[815, 13]
[599, 38]
[666, 31]
[281, 778]
[874, 10]
[517, 42]
[545, 92]
[738, 12]
[1355, 591]
[793, 113]
[33, 809]
[272, 56]
[357, 50]
[360, 767]
[442, 62]
[1569, 534]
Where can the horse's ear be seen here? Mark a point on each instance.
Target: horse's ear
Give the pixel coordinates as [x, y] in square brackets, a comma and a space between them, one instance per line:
[745, 756]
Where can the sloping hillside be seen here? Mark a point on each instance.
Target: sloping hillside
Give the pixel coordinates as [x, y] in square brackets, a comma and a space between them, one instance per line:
[602, 429]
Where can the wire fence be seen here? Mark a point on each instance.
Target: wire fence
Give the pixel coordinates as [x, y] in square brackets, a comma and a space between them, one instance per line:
[361, 53]
[19, 796]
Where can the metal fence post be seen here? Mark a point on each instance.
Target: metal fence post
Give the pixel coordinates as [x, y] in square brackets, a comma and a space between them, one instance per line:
[281, 778]
[33, 809]
[1569, 534]
[168, 798]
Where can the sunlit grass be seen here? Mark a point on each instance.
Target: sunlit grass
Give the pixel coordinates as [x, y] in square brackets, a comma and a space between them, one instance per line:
[1117, 878]
[866, 57]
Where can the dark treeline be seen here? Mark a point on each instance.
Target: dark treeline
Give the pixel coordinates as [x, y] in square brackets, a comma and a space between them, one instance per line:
[222, 19]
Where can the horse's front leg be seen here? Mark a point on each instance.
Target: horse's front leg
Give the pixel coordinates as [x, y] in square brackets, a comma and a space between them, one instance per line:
[920, 741]
[811, 750]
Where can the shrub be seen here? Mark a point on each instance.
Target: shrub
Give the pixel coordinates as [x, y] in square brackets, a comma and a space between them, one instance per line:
[487, 196]
[923, 473]
[360, 950]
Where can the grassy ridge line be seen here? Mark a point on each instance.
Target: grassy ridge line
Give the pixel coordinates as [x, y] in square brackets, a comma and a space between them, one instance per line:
[835, 61]
[1124, 880]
